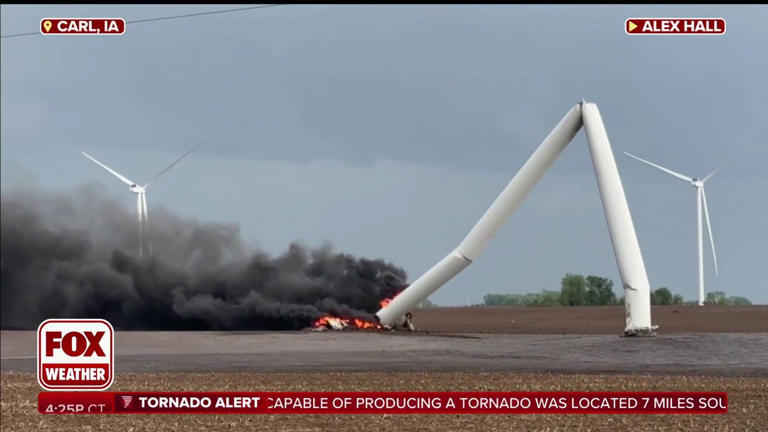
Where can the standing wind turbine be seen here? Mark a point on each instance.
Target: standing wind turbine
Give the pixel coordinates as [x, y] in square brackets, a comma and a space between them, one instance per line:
[701, 197]
[141, 197]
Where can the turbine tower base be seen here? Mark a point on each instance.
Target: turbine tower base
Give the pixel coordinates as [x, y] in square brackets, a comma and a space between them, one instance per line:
[641, 331]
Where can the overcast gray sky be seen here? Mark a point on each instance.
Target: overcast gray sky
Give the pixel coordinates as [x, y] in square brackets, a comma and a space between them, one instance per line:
[388, 130]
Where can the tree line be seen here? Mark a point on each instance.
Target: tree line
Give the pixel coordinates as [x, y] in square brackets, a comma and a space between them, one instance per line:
[578, 290]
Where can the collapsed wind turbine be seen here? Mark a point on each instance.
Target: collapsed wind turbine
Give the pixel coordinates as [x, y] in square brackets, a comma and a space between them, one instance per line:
[626, 248]
[701, 197]
[141, 198]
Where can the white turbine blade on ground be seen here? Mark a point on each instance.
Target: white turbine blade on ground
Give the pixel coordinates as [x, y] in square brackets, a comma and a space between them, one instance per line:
[709, 228]
[710, 175]
[122, 178]
[668, 171]
[160, 174]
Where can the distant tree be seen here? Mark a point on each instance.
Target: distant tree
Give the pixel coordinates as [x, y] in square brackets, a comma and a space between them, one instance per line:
[493, 299]
[662, 296]
[719, 298]
[599, 291]
[427, 304]
[716, 298]
[576, 290]
[739, 301]
[573, 291]
[544, 298]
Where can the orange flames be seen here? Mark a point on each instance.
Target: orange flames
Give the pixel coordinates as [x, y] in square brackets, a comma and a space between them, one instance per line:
[336, 323]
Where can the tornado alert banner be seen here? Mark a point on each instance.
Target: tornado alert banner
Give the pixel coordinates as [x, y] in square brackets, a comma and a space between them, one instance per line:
[383, 403]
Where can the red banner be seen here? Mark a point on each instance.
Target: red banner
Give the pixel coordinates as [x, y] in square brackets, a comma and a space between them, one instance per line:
[683, 26]
[383, 403]
[104, 26]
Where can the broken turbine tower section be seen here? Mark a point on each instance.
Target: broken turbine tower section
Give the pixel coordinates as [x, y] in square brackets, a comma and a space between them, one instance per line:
[622, 232]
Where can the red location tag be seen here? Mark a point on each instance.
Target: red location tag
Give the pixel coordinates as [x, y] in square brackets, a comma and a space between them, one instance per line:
[89, 26]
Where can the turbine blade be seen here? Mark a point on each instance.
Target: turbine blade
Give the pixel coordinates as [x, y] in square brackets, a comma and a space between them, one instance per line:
[138, 209]
[141, 226]
[710, 175]
[160, 174]
[122, 178]
[145, 213]
[146, 223]
[668, 171]
[709, 228]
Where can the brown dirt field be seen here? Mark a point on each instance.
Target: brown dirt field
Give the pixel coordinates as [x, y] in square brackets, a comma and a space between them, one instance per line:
[748, 393]
[589, 320]
[747, 410]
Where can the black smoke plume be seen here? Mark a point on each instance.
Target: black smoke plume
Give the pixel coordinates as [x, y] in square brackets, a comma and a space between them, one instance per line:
[74, 255]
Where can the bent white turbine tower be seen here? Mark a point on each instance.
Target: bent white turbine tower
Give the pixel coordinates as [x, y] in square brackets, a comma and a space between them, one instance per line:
[701, 198]
[141, 198]
[625, 245]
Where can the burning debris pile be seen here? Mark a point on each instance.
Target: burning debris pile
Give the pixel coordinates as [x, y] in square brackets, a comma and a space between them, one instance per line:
[69, 255]
[330, 322]
[335, 323]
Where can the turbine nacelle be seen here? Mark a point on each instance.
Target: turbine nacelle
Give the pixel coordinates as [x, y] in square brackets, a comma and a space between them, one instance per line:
[137, 189]
[697, 183]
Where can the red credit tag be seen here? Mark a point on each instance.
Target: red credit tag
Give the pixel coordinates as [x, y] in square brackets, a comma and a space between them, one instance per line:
[683, 26]
[106, 26]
